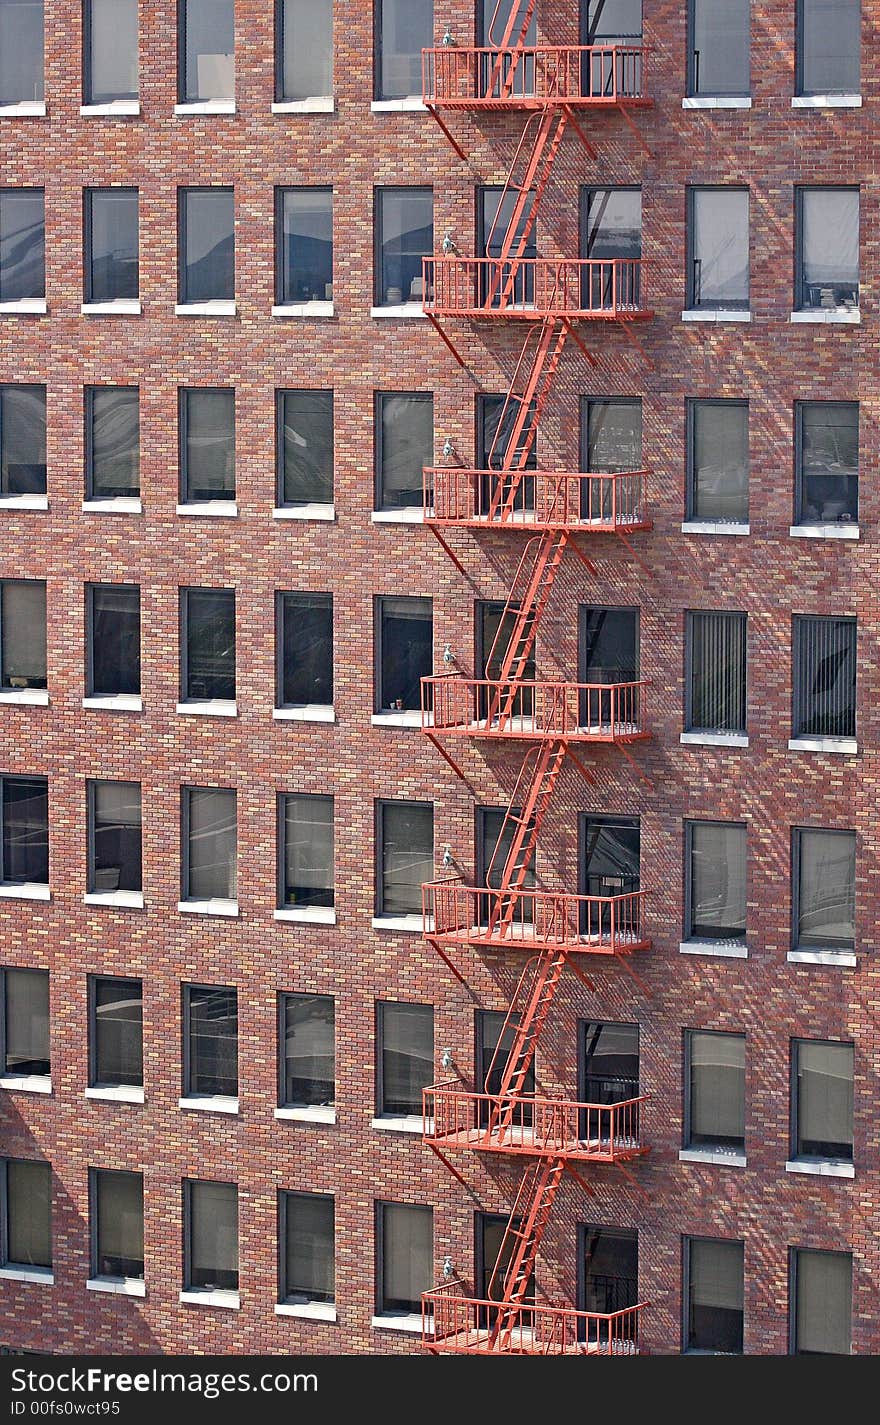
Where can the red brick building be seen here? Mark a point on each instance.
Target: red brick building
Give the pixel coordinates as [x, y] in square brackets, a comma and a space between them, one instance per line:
[219, 591]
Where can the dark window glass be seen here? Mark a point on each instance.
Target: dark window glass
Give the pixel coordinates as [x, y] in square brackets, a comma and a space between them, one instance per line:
[307, 863]
[207, 247]
[828, 462]
[209, 645]
[611, 229]
[118, 1205]
[304, 61]
[827, 261]
[495, 624]
[22, 440]
[497, 418]
[406, 855]
[118, 1032]
[405, 1034]
[404, 236]
[305, 650]
[829, 47]
[612, 435]
[825, 889]
[22, 244]
[308, 1064]
[116, 837]
[212, 1040]
[715, 1296]
[718, 461]
[823, 1099]
[406, 651]
[495, 1241]
[115, 644]
[22, 633]
[611, 1269]
[404, 446]
[27, 1218]
[207, 39]
[611, 867]
[824, 677]
[822, 1290]
[716, 1090]
[716, 902]
[25, 838]
[493, 24]
[495, 1042]
[609, 641]
[495, 829]
[21, 51]
[719, 47]
[212, 1237]
[406, 1257]
[495, 215]
[111, 49]
[718, 247]
[403, 29]
[210, 869]
[305, 245]
[716, 699]
[611, 1062]
[305, 447]
[607, 21]
[307, 1229]
[112, 442]
[26, 1022]
[111, 219]
[207, 446]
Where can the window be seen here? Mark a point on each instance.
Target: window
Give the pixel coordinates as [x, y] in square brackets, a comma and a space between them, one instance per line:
[304, 642]
[827, 248]
[610, 1257]
[304, 218]
[496, 210]
[715, 892]
[207, 652]
[610, 857]
[305, 447]
[404, 1059]
[495, 1041]
[307, 1066]
[306, 833]
[111, 244]
[718, 247]
[824, 889]
[611, 231]
[827, 454]
[822, 1100]
[24, 836]
[22, 440]
[210, 1051]
[494, 842]
[824, 677]
[611, 434]
[829, 47]
[25, 1023]
[405, 653]
[304, 49]
[114, 626]
[609, 656]
[209, 870]
[211, 1236]
[607, 22]
[117, 1201]
[22, 633]
[206, 50]
[610, 1063]
[405, 1250]
[306, 1231]
[22, 244]
[403, 29]
[21, 52]
[26, 1217]
[117, 1032]
[497, 418]
[714, 1296]
[715, 1098]
[716, 685]
[404, 236]
[207, 444]
[493, 18]
[115, 836]
[718, 461]
[404, 446]
[405, 860]
[494, 1246]
[111, 51]
[112, 442]
[207, 245]
[718, 47]
[821, 1303]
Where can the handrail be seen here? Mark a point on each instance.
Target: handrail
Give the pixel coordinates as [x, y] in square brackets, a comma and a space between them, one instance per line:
[528, 708]
[453, 1321]
[455, 494]
[534, 287]
[532, 1124]
[535, 919]
[528, 76]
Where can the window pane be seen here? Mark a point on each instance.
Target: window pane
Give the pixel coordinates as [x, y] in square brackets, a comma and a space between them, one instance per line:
[826, 911]
[614, 436]
[406, 236]
[610, 20]
[720, 248]
[309, 1069]
[717, 908]
[306, 68]
[494, 1046]
[306, 447]
[614, 223]
[407, 836]
[116, 640]
[829, 462]
[715, 1309]
[829, 243]
[309, 1248]
[113, 442]
[718, 672]
[825, 677]
[23, 633]
[112, 59]
[208, 256]
[210, 644]
[112, 261]
[717, 1089]
[213, 1236]
[308, 851]
[27, 1022]
[306, 673]
[116, 851]
[213, 1041]
[823, 1323]
[306, 245]
[25, 830]
[209, 445]
[119, 1032]
[611, 1269]
[407, 1236]
[21, 51]
[824, 1112]
[406, 446]
[22, 440]
[212, 851]
[406, 28]
[611, 1062]
[720, 47]
[119, 1205]
[407, 643]
[830, 46]
[29, 1214]
[22, 244]
[209, 66]
[406, 1033]
[719, 484]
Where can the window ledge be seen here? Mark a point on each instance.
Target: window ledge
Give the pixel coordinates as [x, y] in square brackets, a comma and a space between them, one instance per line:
[229, 1300]
[118, 1286]
[211, 707]
[308, 914]
[26, 1083]
[843, 316]
[304, 309]
[205, 309]
[842, 959]
[320, 104]
[821, 1167]
[125, 900]
[116, 1093]
[412, 104]
[206, 106]
[411, 1123]
[719, 101]
[412, 514]
[24, 502]
[116, 109]
[415, 924]
[25, 307]
[307, 1114]
[715, 739]
[411, 1323]
[212, 509]
[209, 1103]
[718, 949]
[309, 1311]
[723, 1157]
[33, 697]
[825, 531]
[210, 907]
[412, 718]
[25, 109]
[716, 314]
[119, 505]
[115, 702]
[27, 891]
[400, 309]
[304, 512]
[120, 308]
[714, 527]
[309, 712]
[846, 746]
[44, 1276]
[827, 101]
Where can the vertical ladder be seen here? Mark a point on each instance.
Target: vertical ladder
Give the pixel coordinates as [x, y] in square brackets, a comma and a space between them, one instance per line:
[518, 625]
[519, 1245]
[523, 820]
[527, 397]
[507, 41]
[529, 188]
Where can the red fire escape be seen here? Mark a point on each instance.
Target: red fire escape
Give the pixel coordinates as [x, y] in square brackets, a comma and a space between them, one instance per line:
[552, 86]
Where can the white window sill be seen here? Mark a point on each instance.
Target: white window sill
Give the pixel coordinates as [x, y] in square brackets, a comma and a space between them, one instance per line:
[209, 1103]
[414, 924]
[118, 1286]
[842, 959]
[304, 309]
[397, 719]
[411, 514]
[412, 1123]
[211, 907]
[119, 505]
[821, 1167]
[304, 512]
[714, 527]
[400, 309]
[229, 1300]
[309, 712]
[25, 307]
[307, 1115]
[827, 101]
[845, 746]
[121, 308]
[843, 316]
[205, 309]
[26, 1083]
[716, 314]
[206, 106]
[25, 109]
[717, 949]
[308, 914]
[723, 1157]
[116, 702]
[410, 1323]
[825, 531]
[321, 104]
[24, 502]
[28, 891]
[412, 104]
[32, 697]
[211, 707]
[721, 101]
[116, 1093]
[116, 109]
[43, 1276]
[715, 739]
[309, 1311]
[210, 509]
[122, 900]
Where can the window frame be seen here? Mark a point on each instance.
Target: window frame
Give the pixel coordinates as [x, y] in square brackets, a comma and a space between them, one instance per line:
[691, 285]
[800, 36]
[91, 828]
[7, 496]
[92, 1000]
[687, 1064]
[380, 1234]
[184, 592]
[690, 935]
[7, 189]
[183, 297]
[23, 777]
[90, 641]
[284, 1293]
[283, 997]
[379, 602]
[184, 493]
[4, 1010]
[686, 1242]
[691, 405]
[690, 665]
[794, 1152]
[94, 1223]
[281, 275]
[282, 596]
[281, 843]
[379, 287]
[800, 189]
[379, 400]
[187, 1234]
[89, 394]
[379, 842]
[692, 86]
[6, 1262]
[88, 95]
[799, 621]
[381, 1005]
[281, 392]
[88, 199]
[180, 29]
[187, 1090]
[278, 81]
[800, 408]
[185, 822]
[5, 686]
[796, 835]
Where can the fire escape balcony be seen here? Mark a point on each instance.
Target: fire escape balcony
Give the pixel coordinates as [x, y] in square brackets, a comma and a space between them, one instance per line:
[535, 288]
[534, 77]
[547, 499]
[533, 711]
[523, 1124]
[462, 1325]
[532, 920]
